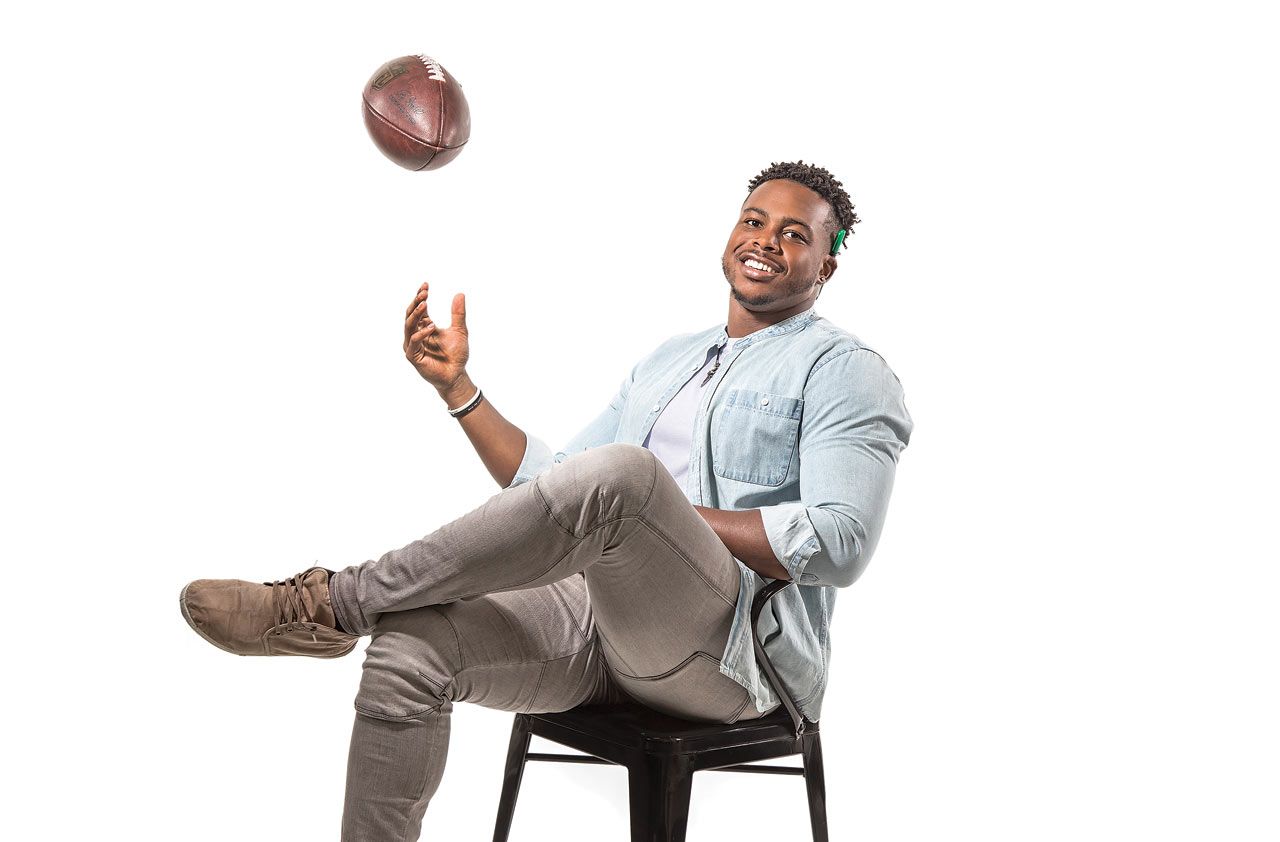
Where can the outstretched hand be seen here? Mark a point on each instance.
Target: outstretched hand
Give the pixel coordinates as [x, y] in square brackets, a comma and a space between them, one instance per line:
[438, 354]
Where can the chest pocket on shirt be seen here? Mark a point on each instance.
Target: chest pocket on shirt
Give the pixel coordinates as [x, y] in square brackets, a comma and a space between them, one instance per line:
[755, 436]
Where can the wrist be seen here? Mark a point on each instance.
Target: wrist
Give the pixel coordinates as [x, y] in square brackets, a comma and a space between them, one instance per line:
[457, 393]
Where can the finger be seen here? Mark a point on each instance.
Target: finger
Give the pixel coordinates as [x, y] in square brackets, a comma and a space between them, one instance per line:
[459, 316]
[423, 332]
[420, 344]
[420, 297]
[415, 316]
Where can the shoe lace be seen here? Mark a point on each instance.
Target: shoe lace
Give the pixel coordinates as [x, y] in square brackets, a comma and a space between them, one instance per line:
[291, 608]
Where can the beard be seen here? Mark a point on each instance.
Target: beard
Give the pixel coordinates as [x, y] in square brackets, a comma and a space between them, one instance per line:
[768, 294]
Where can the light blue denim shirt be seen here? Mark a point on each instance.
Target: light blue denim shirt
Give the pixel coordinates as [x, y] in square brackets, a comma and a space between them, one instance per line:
[804, 422]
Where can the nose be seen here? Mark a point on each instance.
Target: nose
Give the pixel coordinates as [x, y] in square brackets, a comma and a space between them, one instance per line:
[765, 242]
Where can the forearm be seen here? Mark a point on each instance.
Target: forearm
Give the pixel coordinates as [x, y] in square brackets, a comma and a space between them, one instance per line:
[499, 443]
[743, 533]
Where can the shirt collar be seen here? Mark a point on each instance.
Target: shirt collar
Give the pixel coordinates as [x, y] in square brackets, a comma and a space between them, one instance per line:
[788, 325]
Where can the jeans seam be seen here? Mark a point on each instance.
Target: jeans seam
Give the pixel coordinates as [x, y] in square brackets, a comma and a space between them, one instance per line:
[408, 819]
[622, 678]
[544, 661]
[533, 697]
[521, 585]
[569, 612]
[377, 714]
[400, 717]
[637, 516]
[688, 561]
[673, 670]
[438, 687]
[737, 714]
[598, 527]
[578, 541]
[550, 515]
[457, 639]
[653, 483]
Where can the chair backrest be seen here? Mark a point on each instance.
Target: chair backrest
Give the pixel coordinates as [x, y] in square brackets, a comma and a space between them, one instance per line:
[799, 723]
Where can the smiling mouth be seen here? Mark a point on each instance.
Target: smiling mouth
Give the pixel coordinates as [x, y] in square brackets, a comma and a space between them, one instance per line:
[757, 271]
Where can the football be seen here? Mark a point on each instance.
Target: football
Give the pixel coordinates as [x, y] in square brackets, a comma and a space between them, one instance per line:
[416, 113]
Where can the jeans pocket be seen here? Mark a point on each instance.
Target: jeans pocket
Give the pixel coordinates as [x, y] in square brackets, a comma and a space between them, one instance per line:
[694, 689]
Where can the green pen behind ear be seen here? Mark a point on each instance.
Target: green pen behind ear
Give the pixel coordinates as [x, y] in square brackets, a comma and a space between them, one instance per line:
[839, 239]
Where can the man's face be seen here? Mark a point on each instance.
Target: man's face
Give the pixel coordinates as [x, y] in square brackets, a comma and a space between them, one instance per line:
[783, 225]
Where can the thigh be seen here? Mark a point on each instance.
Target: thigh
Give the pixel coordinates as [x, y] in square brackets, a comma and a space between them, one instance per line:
[527, 651]
[664, 599]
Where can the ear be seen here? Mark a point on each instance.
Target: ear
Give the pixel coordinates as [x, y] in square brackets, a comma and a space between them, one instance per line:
[828, 268]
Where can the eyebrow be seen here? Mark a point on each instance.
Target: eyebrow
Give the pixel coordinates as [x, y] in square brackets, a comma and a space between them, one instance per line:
[786, 220]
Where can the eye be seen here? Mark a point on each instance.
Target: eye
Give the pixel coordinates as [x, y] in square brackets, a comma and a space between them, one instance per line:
[749, 221]
[799, 236]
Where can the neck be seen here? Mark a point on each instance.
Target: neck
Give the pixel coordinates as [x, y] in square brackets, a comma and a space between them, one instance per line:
[743, 322]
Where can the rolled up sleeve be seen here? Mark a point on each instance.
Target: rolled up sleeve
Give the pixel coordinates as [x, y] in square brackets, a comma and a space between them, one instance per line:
[853, 428]
[602, 430]
[537, 459]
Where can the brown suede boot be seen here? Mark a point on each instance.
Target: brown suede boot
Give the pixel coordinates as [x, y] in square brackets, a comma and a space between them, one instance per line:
[290, 617]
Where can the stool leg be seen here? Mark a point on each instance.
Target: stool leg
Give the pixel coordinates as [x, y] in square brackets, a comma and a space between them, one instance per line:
[815, 783]
[516, 753]
[660, 790]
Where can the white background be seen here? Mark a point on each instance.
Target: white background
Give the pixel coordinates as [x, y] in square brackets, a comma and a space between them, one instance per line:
[1069, 629]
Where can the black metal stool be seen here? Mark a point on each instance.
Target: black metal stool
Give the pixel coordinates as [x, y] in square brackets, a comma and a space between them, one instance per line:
[661, 752]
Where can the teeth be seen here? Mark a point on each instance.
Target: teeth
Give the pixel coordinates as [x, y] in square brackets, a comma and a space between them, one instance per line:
[756, 264]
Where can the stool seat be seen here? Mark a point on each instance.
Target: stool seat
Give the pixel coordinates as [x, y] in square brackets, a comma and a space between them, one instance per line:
[661, 752]
[615, 732]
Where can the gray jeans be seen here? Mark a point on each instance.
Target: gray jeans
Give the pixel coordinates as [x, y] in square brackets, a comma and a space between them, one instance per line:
[596, 581]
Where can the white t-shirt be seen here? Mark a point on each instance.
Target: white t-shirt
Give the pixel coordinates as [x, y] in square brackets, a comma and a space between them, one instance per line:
[671, 438]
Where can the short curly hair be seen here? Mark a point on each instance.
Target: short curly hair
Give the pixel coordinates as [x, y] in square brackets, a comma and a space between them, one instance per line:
[819, 181]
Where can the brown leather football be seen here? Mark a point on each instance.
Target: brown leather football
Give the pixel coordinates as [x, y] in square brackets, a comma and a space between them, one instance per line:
[416, 113]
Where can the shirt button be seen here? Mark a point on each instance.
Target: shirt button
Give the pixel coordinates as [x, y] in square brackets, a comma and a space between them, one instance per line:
[764, 402]
[656, 406]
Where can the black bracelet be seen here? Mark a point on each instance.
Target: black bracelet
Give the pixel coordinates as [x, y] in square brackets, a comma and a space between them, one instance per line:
[474, 403]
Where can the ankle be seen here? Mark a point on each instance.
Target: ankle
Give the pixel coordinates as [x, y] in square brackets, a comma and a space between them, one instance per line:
[333, 604]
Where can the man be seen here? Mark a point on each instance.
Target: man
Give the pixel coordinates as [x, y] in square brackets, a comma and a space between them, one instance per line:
[623, 566]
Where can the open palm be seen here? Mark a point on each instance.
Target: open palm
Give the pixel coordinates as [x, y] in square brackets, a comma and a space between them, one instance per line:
[438, 354]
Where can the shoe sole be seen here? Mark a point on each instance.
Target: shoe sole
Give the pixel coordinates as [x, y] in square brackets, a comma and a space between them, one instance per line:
[182, 601]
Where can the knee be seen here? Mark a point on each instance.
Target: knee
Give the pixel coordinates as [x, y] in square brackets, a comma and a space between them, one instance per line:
[409, 665]
[625, 468]
[605, 483]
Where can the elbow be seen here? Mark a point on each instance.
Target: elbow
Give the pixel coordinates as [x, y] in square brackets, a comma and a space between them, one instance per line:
[845, 571]
[839, 573]
[837, 567]
[858, 550]
[850, 570]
